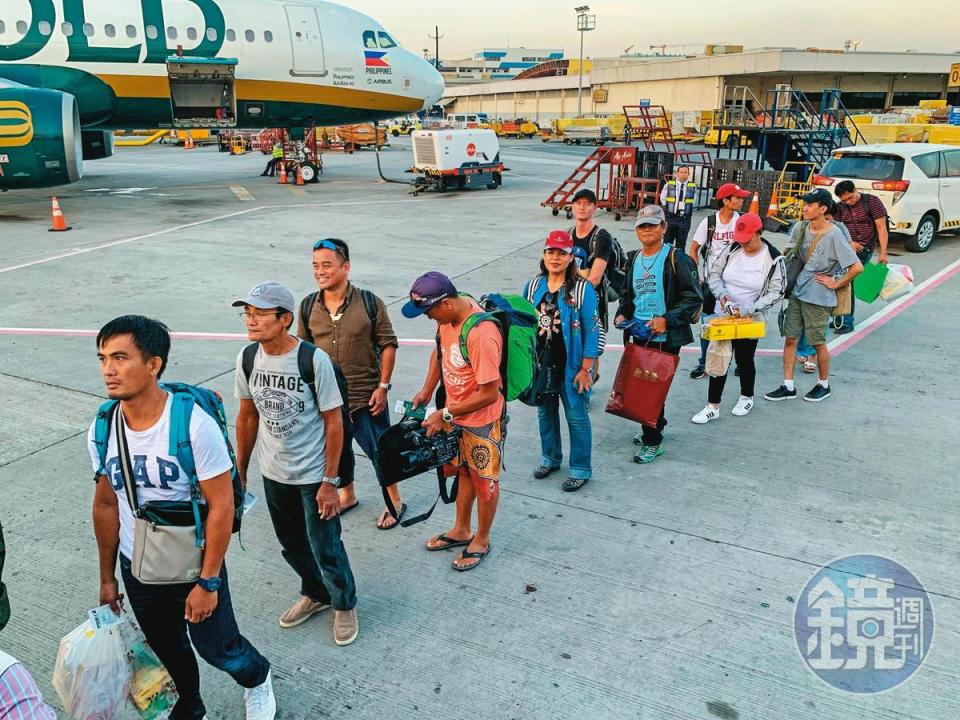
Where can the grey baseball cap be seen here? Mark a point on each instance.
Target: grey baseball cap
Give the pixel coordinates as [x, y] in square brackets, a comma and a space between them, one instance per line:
[269, 295]
[650, 215]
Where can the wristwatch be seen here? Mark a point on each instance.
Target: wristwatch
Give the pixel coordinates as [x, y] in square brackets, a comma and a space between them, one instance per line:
[210, 584]
[386, 386]
[335, 481]
[447, 415]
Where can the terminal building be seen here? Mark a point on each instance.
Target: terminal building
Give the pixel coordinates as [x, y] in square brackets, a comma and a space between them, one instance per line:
[496, 64]
[868, 81]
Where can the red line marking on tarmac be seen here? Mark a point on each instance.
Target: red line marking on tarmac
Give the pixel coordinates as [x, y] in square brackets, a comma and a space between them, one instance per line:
[837, 346]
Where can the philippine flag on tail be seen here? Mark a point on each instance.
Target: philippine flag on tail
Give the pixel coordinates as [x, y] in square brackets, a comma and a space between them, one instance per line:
[374, 58]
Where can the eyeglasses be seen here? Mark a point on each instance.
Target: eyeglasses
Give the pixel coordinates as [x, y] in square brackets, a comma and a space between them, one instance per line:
[258, 316]
[338, 248]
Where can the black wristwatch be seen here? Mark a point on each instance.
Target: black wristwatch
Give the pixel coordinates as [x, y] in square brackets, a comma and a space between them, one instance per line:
[210, 584]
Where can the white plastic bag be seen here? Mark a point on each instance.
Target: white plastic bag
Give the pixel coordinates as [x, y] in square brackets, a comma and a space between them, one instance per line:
[898, 282]
[92, 673]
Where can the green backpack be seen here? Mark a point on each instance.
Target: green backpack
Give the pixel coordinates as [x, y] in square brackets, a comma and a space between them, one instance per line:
[517, 320]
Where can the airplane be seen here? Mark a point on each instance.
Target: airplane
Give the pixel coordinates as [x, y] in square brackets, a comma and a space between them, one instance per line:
[73, 71]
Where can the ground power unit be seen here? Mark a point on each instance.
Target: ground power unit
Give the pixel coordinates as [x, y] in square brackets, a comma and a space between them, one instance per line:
[456, 160]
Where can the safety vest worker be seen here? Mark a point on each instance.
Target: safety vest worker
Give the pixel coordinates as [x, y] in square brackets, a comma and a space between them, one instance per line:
[271, 168]
[278, 151]
[678, 198]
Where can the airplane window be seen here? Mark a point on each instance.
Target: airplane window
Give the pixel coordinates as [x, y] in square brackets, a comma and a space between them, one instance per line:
[22, 27]
[152, 33]
[110, 31]
[88, 29]
[172, 33]
[67, 29]
[248, 36]
[191, 33]
[3, 28]
[370, 39]
[386, 41]
[44, 27]
[131, 31]
[267, 36]
[231, 35]
[212, 34]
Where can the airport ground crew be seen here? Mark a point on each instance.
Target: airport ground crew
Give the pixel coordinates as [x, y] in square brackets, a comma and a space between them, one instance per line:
[677, 198]
[271, 168]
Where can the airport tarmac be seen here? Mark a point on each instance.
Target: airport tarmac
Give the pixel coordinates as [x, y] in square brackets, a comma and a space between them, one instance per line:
[660, 591]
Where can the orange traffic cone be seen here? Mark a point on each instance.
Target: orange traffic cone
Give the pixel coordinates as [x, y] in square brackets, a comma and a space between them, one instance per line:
[755, 204]
[774, 209]
[283, 173]
[59, 224]
[299, 176]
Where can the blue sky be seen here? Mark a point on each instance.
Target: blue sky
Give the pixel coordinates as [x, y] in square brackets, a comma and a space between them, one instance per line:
[468, 25]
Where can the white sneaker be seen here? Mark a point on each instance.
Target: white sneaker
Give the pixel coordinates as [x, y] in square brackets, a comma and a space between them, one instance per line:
[261, 704]
[706, 415]
[744, 405]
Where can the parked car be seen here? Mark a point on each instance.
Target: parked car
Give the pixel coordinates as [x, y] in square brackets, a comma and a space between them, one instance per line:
[918, 183]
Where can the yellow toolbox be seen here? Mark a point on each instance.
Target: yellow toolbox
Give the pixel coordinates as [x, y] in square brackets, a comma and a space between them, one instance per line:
[733, 328]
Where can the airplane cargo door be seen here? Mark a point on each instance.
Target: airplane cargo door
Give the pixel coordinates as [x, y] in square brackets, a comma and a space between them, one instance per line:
[307, 40]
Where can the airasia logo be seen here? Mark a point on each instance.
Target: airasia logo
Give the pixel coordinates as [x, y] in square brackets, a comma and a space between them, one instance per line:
[471, 150]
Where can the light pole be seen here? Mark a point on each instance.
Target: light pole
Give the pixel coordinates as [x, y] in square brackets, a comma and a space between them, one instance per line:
[585, 23]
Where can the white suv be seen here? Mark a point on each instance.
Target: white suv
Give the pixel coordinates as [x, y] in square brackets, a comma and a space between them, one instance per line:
[918, 183]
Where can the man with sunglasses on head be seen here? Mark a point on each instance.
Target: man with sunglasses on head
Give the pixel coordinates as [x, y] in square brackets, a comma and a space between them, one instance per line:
[352, 326]
[290, 409]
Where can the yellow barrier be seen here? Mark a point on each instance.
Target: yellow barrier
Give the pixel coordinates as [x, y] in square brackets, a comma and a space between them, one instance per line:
[944, 134]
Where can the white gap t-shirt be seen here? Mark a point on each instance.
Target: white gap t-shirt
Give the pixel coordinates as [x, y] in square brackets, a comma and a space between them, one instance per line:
[157, 473]
[744, 275]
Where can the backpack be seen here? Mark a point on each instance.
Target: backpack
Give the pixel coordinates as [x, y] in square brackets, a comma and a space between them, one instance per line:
[185, 398]
[616, 270]
[517, 320]
[305, 367]
[369, 304]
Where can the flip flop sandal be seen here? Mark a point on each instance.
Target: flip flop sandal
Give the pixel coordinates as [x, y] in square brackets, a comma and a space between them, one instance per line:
[386, 515]
[465, 555]
[345, 510]
[809, 367]
[448, 543]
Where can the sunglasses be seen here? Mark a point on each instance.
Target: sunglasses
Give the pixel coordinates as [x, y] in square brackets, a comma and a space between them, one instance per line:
[339, 249]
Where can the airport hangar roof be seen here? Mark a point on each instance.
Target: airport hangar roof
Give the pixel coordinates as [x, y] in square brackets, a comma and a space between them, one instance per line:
[760, 61]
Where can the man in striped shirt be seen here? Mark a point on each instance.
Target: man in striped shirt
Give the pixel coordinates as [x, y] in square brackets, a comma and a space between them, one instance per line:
[20, 698]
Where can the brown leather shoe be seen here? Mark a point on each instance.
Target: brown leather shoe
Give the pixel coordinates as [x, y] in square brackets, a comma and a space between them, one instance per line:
[300, 612]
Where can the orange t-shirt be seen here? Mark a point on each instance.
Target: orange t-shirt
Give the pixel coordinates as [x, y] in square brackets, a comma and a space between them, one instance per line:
[461, 379]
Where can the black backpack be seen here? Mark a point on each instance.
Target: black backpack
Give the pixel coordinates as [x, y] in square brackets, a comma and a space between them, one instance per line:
[369, 304]
[616, 270]
[305, 355]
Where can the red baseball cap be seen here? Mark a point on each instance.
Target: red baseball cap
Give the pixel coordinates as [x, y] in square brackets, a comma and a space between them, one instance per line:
[731, 190]
[747, 226]
[559, 240]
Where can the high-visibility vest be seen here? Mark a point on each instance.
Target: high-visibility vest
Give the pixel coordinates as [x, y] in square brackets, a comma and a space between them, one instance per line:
[689, 196]
[277, 151]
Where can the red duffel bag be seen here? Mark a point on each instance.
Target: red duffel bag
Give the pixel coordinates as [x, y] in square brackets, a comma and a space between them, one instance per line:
[642, 383]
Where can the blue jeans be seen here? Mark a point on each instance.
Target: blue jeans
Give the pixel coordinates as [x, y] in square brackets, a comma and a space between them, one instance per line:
[367, 430]
[578, 424]
[311, 546]
[848, 319]
[159, 610]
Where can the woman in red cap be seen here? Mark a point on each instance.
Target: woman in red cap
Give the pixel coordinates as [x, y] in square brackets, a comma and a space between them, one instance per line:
[568, 341]
[747, 278]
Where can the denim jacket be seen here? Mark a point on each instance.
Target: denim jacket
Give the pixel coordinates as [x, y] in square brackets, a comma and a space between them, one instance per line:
[580, 324]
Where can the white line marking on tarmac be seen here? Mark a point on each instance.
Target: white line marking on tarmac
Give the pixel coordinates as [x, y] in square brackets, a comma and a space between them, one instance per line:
[837, 345]
[164, 231]
[241, 192]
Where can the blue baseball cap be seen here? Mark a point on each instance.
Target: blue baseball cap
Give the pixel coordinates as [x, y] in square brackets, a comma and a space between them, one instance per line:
[428, 289]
